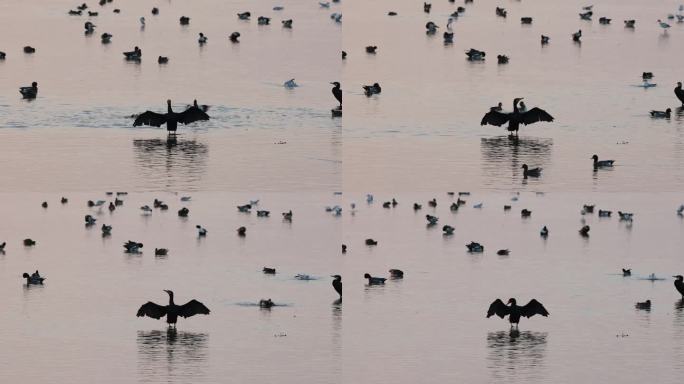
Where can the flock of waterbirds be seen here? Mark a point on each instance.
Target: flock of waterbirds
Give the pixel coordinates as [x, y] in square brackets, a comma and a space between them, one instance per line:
[193, 307]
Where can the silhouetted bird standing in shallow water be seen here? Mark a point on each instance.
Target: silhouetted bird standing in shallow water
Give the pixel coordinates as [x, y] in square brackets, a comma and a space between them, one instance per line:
[337, 92]
[515, 118]
[514, 311]
[172, 311]
[679, 92]
[679, 284]
[170, 118]
[337, 284]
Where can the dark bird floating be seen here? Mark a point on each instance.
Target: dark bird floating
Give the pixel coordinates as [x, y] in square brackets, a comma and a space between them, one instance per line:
[662, 114]
[475, 55]
[502, 59]
[577, 36]
[184, 20]
[29, 92]
[163, 60]
[544, 39]
[525, 20]
[604, 20]
[172, 311]
[626, 272]
[602, 163]
[503, 252]
[161, 251]
[269, 271]
[679, 284]
[244, 15]
[474, 247]
[630, 23]
[371, 90]
[371, 242]
[374, 280]
[371, 49]
[134, 55]
[34, 278]
[531, 172]
[29, 49]
[501, 12]
[106, 38]
[235, 37]
[515, 118]
[337, 284]
[287, 23]
[514, 311]
[602, 213]
[396, 273]
[644, 305]
[170, 118]
[679, 92]
[584, 231]
[427, 7]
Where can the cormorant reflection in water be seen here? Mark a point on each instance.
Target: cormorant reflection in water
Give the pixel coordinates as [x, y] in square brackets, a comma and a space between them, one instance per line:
[522, 352]
[502, 152]
[174, 158]
[172, 355]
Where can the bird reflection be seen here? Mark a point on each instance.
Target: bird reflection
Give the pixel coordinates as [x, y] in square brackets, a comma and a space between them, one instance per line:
[516, 353]
[172, 162]
[172, 355]
[503, 155]
[679, 311]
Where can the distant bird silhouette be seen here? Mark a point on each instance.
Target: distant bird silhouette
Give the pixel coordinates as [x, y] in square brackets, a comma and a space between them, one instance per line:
[544, 39]
[337, 284]
[34, 278]
[155, 11]
[525, 20]
[625, 216]
[170, 118]
[371, 49]
[235, 37]
[337, 92]
[503, 252]
[643, 305]
[29, 242]
[679, 92]
[501, 12]
[679, 284]
[202, 39]
[630, 23]
[604, 20]
[502, 59]
[531, 172]
[427, 7]
[475, 247]
[544, 232]
[263, 20]
[525, 213]
[371, 242]
[448, 230]
[287, 23]
[396, 273]
[172, 311]
[661, 114]
[132, 246]
[374, 280]
[106, 230]
[371, 90]
[184, 20]
[266, 303]
[201, 231]
[3, 55]
[106, 38]
[515, 118]
[89, 27]
[603, 213]
[514, 311]
[242, 231]
[626, 272]
[475, 55]
[665, 26]
[584, 231]
[244, 15]
[602, 163]
[161, 251]
[29, 92]
[162, 60]
[269, 271]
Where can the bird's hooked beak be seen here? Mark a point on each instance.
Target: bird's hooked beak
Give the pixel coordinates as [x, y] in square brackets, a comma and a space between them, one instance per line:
[167, 291]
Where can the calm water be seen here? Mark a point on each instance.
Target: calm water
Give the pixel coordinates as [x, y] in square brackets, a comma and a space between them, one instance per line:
[420, 138]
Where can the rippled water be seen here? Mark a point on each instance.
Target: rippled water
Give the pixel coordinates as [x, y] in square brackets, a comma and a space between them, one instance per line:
[420, 138]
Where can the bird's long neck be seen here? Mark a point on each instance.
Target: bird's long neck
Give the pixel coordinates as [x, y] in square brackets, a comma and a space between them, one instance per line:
[171, 298]
[170, 111]
[515, 106]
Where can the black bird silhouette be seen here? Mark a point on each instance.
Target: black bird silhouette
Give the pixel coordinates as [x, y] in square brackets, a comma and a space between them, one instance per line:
[170, 118]
[337, 92]
[679, 92]
[172, 311]
[679, 284]
[337, 284]
[514, 311]
[515, 118]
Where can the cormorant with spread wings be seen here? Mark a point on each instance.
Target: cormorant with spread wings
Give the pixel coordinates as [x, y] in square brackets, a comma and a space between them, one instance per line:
[514, 311]
[172, 311]
[515, 118]
[170, 118]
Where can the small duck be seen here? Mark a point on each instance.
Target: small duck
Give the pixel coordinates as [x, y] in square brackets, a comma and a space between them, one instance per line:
[163, 60]
[235, 37]
[371, 90]
[680, 210]
[184, 20]
[82, 7]
[394, 202]
[117, 10]
[106, 38]
[661, 114]
[146, 209]
[161, 251]
[34, 278]
[290, 84]
[244, 208]
[344, 55]
[544, 232]
[337, 17]
[525, 20]
[432, 220]
[448, 230]
[545, 39]
[602, 213]
[478, 205]
[29, 92]
[344, 248]
[244, 15]
[263, 20]
[391, 13]
[453, 207]
[369, 198]
[626, 272]
[3, 55]
[396, 273]
[502, 59]
[602, 163]
[134, 55]
[201, 231]
[665, 26]
[185, 198]
[287, 215]
[584, 231]
[431, 28]
[643, 305]
[630, 23]
[242, 231]
[183, 212]
[531, 172]
[371, 49]
[501, 12]
[432, 203]
[111, 207]
[2, 246]
[448, 37]
[265, 303]
[427, 7]
[577, 36]
[586, 15]
[525, 213]
[29, 242]
[202, 39]
[374, 280]
[44, 204]
[604, 20]
[89, 27]
[497, 108]
[587, 208]
[132, 246]
[89, 220]
[503, 252]
[269, 271]
[417, 207]
[475, 247]
[507, 208]
[106, 230]
[304, 276]
[287, 23]
[324, 4]
[475, 55]
[142, 22]
[624, 216]
[157, 203]
[646, 75]
[75, 13]
[263, 213]
[371, 242]
[155, 11]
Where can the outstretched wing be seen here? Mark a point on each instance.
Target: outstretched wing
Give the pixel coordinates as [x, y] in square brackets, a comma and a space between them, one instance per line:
[192, 114]
[192, 308]
[495, 118]
[498, 308]
[150, 118]
[152, 310]
[534, 115]
[533, 308]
